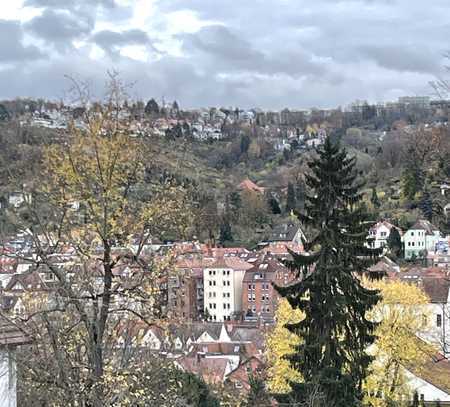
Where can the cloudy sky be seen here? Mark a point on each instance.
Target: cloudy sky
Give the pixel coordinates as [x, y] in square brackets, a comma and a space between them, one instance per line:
[251, 53]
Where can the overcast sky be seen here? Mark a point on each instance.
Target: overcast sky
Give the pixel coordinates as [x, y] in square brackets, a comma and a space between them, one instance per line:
[250, 53]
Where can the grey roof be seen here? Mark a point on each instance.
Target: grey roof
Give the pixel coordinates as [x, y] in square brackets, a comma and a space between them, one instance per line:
[284, 232]
[425, 225]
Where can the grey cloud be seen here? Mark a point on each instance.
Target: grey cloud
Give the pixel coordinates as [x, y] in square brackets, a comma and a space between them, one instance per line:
[69, 4]
[11, 45]
[267, 53]
[60, 28]
[112, 41]
[402, 58]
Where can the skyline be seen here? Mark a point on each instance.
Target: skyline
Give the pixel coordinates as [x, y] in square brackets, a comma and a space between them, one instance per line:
[322, 54]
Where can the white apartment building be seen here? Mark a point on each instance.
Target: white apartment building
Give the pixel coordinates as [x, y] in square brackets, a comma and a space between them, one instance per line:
[379, 234]
[420, 238]
[222, 282]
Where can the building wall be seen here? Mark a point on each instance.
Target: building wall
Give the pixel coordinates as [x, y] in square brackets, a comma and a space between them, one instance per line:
[222, 292]
[425, 389]
[7, 379]
[416, 241]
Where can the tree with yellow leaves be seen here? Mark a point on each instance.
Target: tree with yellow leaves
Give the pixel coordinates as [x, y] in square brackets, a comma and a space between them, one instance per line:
[280, 342]
[403, 315]
[92, 214]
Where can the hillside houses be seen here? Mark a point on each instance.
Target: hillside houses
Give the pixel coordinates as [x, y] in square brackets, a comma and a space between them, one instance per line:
[420, 238]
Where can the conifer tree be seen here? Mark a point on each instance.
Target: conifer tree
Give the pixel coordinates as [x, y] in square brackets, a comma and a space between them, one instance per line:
[225, 234]
[273, 204]
[394, 242]
[374, 199]
[334, 335]
[291, 202]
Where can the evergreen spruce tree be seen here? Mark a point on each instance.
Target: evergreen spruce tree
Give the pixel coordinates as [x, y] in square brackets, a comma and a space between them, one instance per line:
[374, 199]
[426, 206]
[335, 333]
[415, 402]
[394, 242]
[273, 204]
[291, 202]
[225, 234]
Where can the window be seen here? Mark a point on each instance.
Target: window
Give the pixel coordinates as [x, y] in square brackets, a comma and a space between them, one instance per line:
[438, 320]
[383, 234]
[249, 286]
[412, 233]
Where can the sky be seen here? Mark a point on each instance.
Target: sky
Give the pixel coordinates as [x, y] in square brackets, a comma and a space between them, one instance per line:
[269, 54]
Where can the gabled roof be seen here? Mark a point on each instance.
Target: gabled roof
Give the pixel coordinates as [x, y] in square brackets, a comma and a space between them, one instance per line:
[436, 371]
[284, 232]
[425, 225]
[11, 334]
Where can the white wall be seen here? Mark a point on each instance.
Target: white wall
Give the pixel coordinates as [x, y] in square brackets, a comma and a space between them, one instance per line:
[430, 392]
[7, 379]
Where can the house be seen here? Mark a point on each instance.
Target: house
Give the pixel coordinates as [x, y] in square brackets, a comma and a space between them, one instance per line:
[420, 238]
[239, 378]
[379, 234]
[435, 283]
[385, 267]
[431, 380]
[285, 233]
[222, 282]
[282, 250]
[259, 297]
[11, 336]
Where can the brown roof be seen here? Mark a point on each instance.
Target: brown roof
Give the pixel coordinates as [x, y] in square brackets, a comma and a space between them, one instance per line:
[234, 263]
[436, 370]
[425, 225]
[11, 334]
[250, 186]
[212, 370]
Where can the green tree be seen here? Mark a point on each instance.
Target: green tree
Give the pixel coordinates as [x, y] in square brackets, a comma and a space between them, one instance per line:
[394, 242]
[151, 107]
[245, 144]
[257, 396]
[291, 201]
[273, 204]
[225, 233]
[335, 333]
[374, 198]
[415, 401]
[4, 115]
[195, 391]
[426, 206]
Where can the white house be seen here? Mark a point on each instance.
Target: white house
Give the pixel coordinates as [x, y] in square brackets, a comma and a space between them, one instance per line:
[420, 238]
[379, 234]
[11, 336]
[222, 282]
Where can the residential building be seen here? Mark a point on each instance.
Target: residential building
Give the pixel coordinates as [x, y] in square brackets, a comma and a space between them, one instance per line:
[222, 282]
[285, 233]
[11, 336]
[259, 296]
[420, 238]
[379, 234]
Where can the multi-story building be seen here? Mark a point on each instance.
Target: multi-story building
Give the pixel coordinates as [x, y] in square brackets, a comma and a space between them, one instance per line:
[185, 289]
[259, 297]
[420, 238]
[222, 282]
